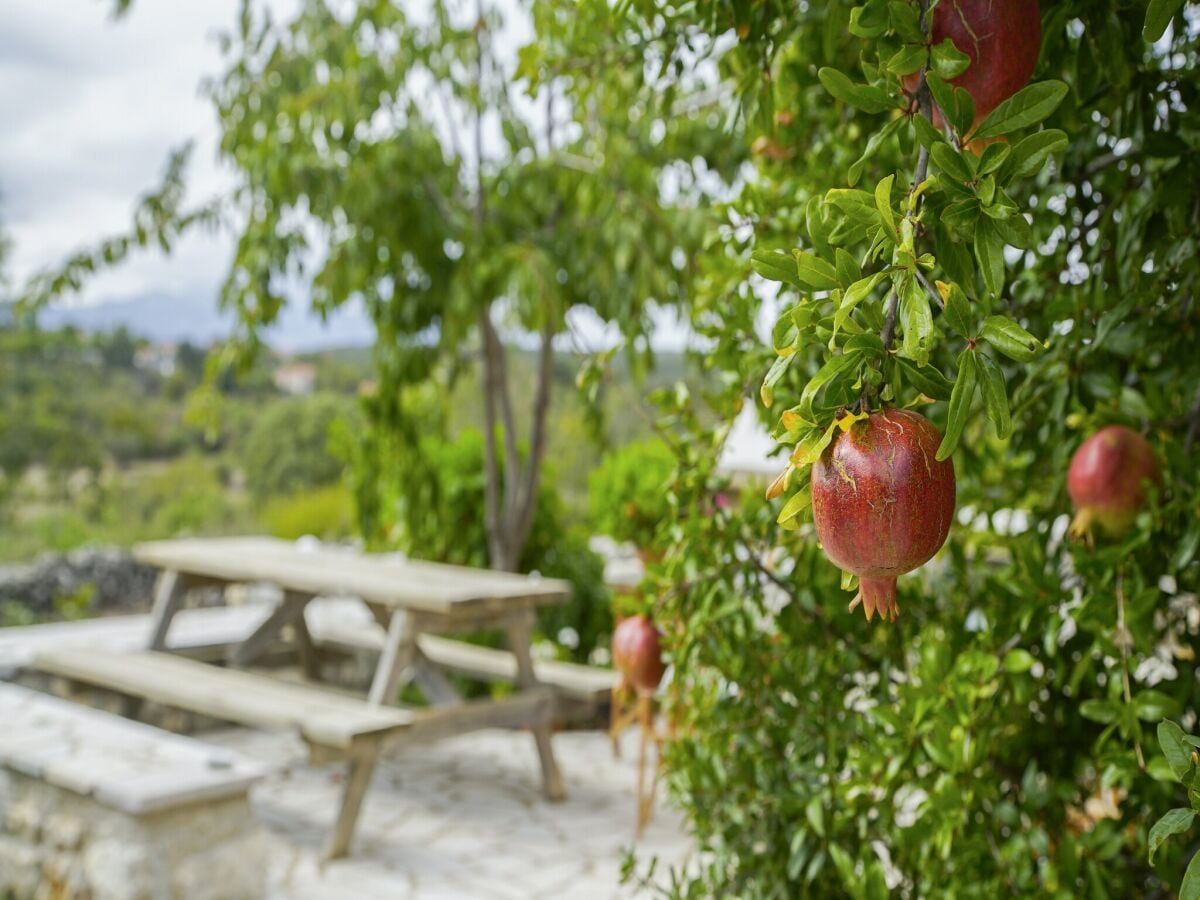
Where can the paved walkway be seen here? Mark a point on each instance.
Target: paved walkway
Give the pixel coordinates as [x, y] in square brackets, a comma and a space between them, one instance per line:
[462, 819]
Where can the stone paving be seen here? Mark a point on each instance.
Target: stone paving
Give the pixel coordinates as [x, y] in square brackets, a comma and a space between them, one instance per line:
[462, 818]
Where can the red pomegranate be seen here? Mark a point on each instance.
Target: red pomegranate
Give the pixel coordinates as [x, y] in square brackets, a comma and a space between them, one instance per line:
[1107, 480]
[882, 503]
[637, 653]
[1003, 39]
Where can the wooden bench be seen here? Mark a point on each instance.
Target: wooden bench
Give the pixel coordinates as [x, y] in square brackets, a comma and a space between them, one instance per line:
[143, 788]
[335, 726]
[586, 687]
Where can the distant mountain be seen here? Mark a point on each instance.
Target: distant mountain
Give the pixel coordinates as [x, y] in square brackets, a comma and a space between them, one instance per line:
[196, 319]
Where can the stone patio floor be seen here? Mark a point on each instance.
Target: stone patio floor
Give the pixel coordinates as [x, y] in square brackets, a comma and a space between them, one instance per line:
[462, 818]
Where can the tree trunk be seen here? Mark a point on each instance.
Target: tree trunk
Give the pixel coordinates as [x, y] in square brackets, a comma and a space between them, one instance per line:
[511, 501]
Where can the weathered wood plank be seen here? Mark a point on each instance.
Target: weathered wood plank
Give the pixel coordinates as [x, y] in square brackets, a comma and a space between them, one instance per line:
[169, 594]
[519, 637]
[320, 716]
[362, 766]
[203, 632]
[389, 580]
[398, 651]
[487, 663]
[286, 613]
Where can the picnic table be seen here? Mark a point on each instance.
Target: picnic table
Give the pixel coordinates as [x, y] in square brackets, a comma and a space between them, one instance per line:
[411, 600]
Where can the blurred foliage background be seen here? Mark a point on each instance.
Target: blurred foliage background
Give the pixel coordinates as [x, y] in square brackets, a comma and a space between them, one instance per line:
[997, 738]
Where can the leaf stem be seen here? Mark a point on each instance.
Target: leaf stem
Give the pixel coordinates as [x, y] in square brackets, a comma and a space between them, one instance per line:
[925, 106]
[1123, 642]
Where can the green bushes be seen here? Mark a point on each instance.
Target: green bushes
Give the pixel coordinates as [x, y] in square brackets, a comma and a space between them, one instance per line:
[438, 515]
[288, 447]
[326, 513]
[628, 493]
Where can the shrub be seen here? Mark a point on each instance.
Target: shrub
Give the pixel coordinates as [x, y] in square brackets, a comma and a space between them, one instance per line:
[628, 493]
[326, 513]
[439, 516]
[288, 447]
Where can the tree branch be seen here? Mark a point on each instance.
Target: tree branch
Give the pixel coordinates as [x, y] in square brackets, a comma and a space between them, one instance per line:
[925, 107]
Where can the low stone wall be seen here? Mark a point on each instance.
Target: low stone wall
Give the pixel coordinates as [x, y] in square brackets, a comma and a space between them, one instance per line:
[109, 577]
[55, 843]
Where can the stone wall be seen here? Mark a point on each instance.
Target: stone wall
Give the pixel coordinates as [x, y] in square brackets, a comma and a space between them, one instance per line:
[58, 844]
[109, 578]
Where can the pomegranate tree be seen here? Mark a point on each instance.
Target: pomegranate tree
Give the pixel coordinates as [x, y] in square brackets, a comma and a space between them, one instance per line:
[637, 653]
[1002, 38]
[1107, 480]
[882, 503]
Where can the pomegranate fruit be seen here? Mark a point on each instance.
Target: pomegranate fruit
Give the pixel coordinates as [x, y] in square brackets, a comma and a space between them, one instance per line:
[1107, 479]
[1002, 38]
[882, 503]
[637, 654]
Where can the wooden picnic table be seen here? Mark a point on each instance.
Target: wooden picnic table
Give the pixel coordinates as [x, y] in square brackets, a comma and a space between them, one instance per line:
[408, 598]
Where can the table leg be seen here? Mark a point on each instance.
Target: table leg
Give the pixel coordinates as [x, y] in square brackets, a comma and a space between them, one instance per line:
[399, 651]
[169, 594]
[362, 765]
[289, 610]
[520, 636]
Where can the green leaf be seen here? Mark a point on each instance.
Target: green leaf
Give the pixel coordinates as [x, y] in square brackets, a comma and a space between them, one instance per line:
[960, 403]
[1010, 338]
[1177, 751]
[926, 133]
[1102, 711]
[1175, 821]
[993, 157]
[1014, 230]
[833, 367]
[848, 269]
[861, 96]
[907, 59]
[873, 144]
[957, 309]
[1158, 16]
[784, 334]
[948, 61]
[1189, 889]
[989, 252]
[943, 93]
[1018, 661]
[963, 115]
[1027, 107]
[1031, 152]
[809, 450]
[917, 320]
[815, 813]
[995, 397]
[883, 202]
[814, 272]
[775, 265]
[1151, 706]
[797, 503]
[948, 160]
[854, 295]
[767, 392]
[927, 379]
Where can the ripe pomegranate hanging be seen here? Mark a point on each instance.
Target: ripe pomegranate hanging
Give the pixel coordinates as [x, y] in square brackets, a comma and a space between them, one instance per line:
[1002, 38]
[637, 654]
[1107, 480]
[882, 503]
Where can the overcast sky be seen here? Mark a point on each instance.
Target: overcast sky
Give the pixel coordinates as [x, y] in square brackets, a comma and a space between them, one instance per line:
[91, 108]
